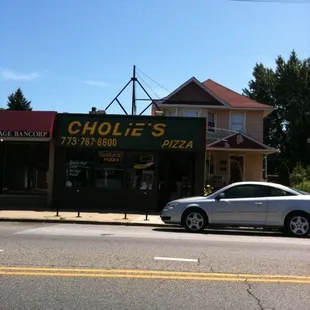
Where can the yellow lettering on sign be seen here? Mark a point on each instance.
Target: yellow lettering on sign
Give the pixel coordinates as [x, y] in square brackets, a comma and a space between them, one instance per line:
[158, 130]
[189, 145]
[104, 129]
[74, 127]
[177, 144]
[90, 128]
[116, 131]
[165, 143]
[136, 132]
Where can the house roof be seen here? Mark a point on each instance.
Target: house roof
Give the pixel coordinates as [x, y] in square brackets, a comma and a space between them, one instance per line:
[240, 141]
[231, 97]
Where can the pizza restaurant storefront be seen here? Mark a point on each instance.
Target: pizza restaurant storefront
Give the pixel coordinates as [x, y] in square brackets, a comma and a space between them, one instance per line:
[25, 149]
[120, 162]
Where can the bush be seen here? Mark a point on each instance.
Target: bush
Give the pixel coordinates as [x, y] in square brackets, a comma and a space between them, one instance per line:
[303, 186]
[208, 190]
[298, 175]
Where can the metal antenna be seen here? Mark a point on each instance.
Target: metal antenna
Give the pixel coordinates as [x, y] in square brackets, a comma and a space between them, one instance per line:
[134, 79]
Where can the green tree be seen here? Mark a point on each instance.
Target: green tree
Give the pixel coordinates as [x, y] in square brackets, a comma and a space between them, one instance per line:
[287, 89]
[2, 109]
[17, 101]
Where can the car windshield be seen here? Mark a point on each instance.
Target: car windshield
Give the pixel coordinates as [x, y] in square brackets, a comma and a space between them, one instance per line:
[299, 191]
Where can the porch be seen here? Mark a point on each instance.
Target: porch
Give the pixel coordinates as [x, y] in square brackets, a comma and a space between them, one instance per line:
[218, 168]
[236, 157]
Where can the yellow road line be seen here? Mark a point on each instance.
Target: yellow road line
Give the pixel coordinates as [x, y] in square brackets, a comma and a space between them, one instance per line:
[154, 276]
[151, 272]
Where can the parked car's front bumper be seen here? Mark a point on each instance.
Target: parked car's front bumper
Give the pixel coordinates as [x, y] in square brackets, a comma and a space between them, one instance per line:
[169, 217]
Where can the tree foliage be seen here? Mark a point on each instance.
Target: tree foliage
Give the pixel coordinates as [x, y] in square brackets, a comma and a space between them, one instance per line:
[17, 101]
[287, 89]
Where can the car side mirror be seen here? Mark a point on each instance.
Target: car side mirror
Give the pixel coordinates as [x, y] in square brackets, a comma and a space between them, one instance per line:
[220, 196]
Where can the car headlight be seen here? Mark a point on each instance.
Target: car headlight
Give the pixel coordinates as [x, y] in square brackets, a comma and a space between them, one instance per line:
[170, 206]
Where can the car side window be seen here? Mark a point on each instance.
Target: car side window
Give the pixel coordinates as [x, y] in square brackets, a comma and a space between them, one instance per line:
[245, 191]
[276, 192]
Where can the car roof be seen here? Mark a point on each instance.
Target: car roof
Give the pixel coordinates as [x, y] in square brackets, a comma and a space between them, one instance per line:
[279, 186]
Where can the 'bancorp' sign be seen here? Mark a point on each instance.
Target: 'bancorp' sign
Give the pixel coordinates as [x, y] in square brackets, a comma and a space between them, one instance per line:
[23, 134]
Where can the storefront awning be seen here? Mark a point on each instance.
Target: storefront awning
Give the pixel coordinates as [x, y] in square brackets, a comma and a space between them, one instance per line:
[26, 125]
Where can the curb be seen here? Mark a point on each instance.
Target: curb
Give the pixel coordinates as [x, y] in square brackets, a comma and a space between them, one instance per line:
[30, 220]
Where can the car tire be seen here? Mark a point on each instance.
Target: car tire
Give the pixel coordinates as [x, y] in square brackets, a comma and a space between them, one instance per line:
[194, 220]
[297, 225]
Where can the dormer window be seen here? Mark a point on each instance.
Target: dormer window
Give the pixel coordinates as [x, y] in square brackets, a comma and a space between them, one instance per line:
[172, 112]
[237, 122]
[191, 113]
[211, 122]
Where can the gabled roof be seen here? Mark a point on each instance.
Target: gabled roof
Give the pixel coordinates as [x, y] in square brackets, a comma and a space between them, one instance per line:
[240, 141]
[232, 98]
[188, 82]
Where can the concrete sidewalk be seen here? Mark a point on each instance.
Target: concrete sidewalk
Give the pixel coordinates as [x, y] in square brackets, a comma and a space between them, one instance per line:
[85, 218]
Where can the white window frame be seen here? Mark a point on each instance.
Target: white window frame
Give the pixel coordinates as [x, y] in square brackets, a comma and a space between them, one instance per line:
[195, 110]
[173, 110]
[231, 124]
[215, 116]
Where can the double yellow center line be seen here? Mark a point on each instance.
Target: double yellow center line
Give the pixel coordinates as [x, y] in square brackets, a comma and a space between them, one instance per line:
[149, 274]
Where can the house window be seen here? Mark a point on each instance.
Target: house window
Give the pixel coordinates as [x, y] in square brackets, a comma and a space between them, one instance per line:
[191, 113]
[211, 122]
[171, 112]
[237, 122]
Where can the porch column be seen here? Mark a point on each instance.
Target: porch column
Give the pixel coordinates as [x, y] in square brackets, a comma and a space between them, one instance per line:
[266, 168]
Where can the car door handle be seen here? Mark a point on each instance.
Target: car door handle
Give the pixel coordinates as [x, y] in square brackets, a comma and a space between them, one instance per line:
[258, 203]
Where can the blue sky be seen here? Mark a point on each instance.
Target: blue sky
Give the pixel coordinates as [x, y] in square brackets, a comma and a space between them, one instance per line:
[71, 55]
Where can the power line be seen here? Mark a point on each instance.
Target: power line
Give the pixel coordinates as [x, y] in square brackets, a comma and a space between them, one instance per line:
[154, 81]
[147, 85]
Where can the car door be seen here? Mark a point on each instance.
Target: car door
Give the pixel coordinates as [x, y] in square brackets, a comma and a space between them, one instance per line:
[244, 204]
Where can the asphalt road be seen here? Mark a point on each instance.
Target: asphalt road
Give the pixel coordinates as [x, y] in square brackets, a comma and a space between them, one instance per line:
[60, 266]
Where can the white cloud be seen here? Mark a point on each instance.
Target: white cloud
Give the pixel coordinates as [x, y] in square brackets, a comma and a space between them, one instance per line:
[96, 83]
[7, 74]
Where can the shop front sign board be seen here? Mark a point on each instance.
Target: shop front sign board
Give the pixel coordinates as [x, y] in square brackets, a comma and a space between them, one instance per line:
[115, 132]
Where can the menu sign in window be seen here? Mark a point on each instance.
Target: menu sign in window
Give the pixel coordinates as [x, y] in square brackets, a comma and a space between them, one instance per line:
[75, 167]
[110, 157]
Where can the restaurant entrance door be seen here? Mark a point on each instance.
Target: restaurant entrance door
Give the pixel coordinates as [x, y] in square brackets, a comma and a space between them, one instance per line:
[176, 177]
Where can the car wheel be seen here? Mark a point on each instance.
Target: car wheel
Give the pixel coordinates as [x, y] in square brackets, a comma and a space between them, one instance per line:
[298, 225]
[195, 221]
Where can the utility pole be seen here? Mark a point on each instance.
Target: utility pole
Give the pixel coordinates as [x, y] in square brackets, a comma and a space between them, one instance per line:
[133, 104]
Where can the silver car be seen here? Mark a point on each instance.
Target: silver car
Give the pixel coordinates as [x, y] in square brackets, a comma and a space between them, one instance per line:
[244, 204]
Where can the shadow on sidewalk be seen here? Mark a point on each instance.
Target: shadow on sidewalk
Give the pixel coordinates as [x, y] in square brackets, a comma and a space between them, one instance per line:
[232, 232]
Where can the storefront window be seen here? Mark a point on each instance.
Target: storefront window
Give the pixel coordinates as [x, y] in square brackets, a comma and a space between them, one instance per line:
[26, 166]
[140, 175]
[79, 168]
[109, 178]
